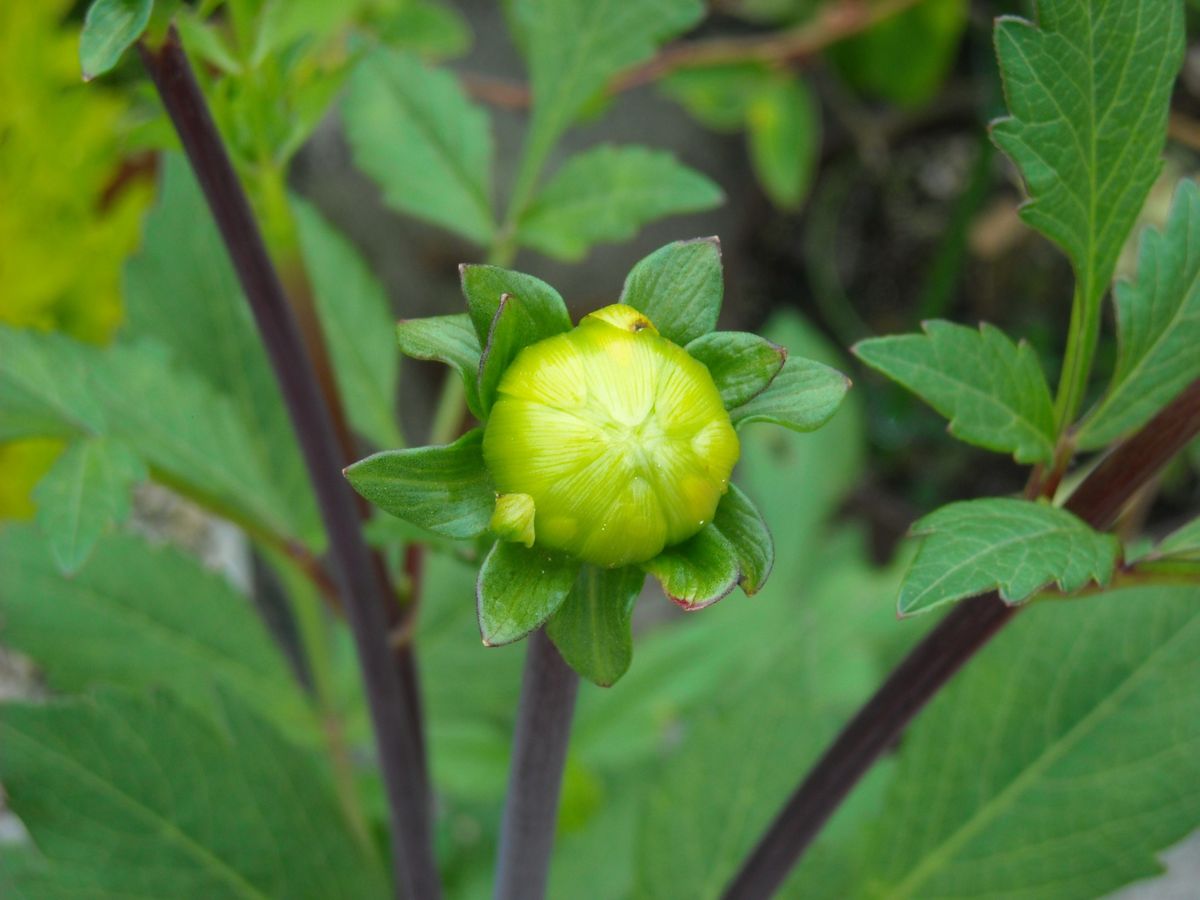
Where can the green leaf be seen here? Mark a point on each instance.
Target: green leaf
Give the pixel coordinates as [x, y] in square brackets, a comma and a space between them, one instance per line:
[516, 325]
[181, 290]
[447, 339]
[127, 796]
[445, 489]
[802, 397]
[427, 28]
[880, 61]
[784, 132]
[415, 132]
[740, 523]
[188, 434]
[992, 390]
[483, 286]
[109, 29]
[1183, 541]
[680, 288]
[606, 194]
[1158, 326]
[592, 629]
[44, 388]
[356, 321]
[741, 364]
[1072, 763]
[1088, 91]
[575, 46]
[86, 490]
[718, 97]
[1015, 546]
[698, 572]
[190, 628]
[519, 588]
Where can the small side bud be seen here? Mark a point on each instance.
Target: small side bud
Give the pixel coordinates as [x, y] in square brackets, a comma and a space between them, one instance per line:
[624, 317]
[513, 518]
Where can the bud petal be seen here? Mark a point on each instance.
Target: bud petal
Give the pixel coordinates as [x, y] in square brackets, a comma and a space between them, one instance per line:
[513, 518]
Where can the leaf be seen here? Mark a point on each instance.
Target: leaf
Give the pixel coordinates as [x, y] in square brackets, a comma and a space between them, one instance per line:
[413, 130]
[698, 572]
[679, 287]
[180, 289]
[445, 489]
[483, 286]
[741, 364]
[1015, 546]
[606, 194]
[575, 46]
[1183, 541]
[1158, 326]
[992, 390]
[740, 523]
[186, 432]
[44, 389]
[717, 96]
[1088, 94]
[1076, 739]
[519, 588]
[592, 628]
[127, 795]
[802, 397]
[191, 630]
[85, 492]
[784, 132]
[447, 339]
[880, 61]
[356, 321]
[109, 29]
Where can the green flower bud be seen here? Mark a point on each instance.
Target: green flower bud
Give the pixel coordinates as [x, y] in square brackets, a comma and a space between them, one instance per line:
[613, 437]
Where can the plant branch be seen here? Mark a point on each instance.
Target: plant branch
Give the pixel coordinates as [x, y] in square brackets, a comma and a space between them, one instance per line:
[931, 664]
[540, 739]
[361, 581]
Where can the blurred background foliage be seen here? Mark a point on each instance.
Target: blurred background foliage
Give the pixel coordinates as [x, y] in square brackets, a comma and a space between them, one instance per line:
[840, 151]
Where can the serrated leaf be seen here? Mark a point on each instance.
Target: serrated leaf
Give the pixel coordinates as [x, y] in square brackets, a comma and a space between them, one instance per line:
[741, 364]
[606, 194]
[1158, 326]
[447, 339]
[109, 29]
[740, 523]
[191, 630]
[516, 325]
[1075, 752]
[445, 489]
[356, 322]
[1088, 91]
[992, 390]
[44, 389]
[698, 572]
[592, 629]
[802, 397]
[483, 286]
[784, 134]
[181, 290]
[519, 588]
[126, 795]
[575, 46]
[1015, 546]
[188, 434]
[86, 491]
[413, 130]
[679, 287]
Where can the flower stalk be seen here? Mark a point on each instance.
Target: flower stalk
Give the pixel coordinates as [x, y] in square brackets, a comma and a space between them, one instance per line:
[362, 583]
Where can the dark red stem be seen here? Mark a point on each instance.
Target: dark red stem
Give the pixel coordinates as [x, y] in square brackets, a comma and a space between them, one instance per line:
[362, 585]
[931, 664]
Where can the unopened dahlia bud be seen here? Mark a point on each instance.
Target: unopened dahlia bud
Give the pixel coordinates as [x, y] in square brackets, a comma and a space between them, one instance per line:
[613, 437]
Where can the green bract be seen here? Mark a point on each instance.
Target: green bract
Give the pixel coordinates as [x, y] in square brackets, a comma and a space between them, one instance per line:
[605, 451]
